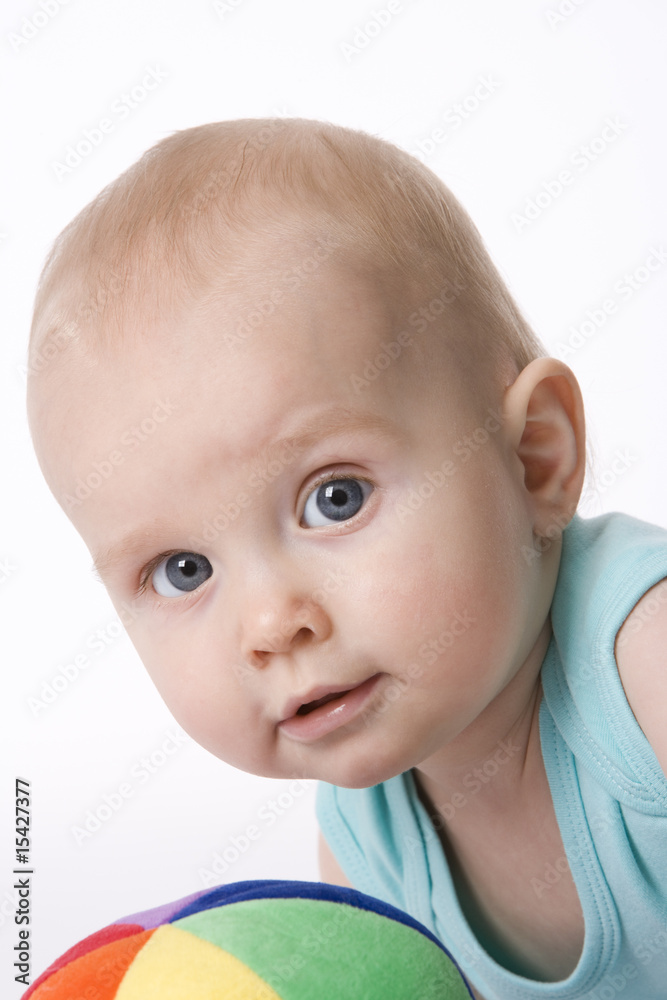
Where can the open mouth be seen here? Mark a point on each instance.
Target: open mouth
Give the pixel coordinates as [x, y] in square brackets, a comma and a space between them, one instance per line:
[312, 705]
[315, 719]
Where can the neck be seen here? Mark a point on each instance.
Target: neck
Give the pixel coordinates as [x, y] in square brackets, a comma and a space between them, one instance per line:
[492, 763]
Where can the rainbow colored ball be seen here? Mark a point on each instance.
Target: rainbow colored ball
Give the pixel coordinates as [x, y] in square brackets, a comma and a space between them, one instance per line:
[259, 940]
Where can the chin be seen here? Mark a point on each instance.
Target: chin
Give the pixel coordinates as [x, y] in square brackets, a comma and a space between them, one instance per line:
[360, 774]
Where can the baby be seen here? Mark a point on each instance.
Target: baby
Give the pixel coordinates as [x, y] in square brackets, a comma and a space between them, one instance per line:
[330, 480]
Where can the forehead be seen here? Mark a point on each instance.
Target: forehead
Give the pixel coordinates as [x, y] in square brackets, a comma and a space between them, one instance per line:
[273, 347]
[240, 369]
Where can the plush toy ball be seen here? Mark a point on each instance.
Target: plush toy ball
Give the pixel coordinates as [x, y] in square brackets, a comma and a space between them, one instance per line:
[260, 940]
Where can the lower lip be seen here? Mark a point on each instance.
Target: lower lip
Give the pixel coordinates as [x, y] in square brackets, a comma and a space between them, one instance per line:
[329, 717]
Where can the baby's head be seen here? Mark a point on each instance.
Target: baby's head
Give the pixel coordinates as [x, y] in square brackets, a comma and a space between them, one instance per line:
[284, 396]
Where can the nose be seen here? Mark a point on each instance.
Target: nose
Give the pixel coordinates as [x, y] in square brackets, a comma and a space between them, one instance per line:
[278, 616]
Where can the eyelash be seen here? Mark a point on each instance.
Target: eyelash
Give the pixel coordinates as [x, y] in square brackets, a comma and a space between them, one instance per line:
[150, 568]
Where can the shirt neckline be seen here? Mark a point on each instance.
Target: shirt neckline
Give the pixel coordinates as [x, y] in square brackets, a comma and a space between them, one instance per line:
[601, 929]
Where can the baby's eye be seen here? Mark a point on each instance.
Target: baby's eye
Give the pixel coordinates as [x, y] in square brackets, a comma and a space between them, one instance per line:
[335, 500]
[181, 572]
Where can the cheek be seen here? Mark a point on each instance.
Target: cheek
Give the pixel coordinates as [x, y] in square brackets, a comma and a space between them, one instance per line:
[451, 566]
[213, 717]
[402, 592]
[184, 675]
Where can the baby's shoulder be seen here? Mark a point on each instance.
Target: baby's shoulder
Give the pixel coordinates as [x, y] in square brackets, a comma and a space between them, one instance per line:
[605, 675]
[641, 657]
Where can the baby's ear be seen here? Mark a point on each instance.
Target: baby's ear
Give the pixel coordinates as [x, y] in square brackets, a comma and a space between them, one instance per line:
[544, 422]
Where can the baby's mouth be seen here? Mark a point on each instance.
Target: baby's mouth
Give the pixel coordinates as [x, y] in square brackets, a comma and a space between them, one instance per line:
[310, 721]
[312, 705]
[318, 697]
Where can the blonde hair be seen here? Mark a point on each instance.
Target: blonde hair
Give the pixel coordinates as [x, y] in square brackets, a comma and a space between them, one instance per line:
[196, 208]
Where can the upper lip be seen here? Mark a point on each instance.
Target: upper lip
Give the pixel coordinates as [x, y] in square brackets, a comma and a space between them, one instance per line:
[314, 694]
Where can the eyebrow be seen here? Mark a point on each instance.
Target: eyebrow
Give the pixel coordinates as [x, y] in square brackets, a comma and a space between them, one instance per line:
[324, 425]
[329, 423]
[107, 560]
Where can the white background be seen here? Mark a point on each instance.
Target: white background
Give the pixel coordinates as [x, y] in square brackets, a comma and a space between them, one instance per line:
[551, 87]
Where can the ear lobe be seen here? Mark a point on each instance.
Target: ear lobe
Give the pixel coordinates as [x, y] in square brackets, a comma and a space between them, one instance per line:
[545, 421]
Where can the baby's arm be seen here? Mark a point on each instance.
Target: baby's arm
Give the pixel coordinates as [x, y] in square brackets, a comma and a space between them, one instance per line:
[330, 870]
[641, 655]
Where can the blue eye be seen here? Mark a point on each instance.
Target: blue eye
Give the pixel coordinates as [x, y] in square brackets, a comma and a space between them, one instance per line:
[335, 500]
[180, 573]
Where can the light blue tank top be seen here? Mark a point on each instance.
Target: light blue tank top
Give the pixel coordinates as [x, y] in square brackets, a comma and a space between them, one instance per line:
[609, 793]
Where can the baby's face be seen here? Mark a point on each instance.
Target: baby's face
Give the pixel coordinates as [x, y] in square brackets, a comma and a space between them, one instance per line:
[294, 517]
